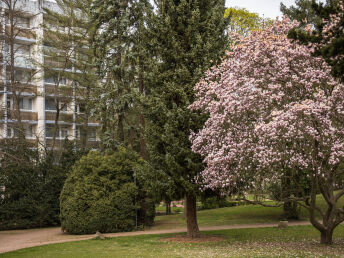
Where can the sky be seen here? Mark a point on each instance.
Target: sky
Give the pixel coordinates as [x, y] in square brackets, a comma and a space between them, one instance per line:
[268, 8]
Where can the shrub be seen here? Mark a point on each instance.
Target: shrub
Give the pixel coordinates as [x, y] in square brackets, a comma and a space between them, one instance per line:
[100, 194]
[31, 185]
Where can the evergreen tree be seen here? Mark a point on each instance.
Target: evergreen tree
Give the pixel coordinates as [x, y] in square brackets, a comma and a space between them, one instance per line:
[120, 61]
[327, 35]
[302, 12]
[187, 37]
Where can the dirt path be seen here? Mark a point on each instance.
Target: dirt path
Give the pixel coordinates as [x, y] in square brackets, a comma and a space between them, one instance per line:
[18, 239]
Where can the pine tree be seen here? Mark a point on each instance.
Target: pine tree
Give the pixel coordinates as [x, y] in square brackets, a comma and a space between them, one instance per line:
[120, 60]
[187, 37]
[327, 20]
[302, 12]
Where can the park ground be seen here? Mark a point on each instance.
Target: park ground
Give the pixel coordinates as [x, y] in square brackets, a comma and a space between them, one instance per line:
[296, 241]
[243, 230]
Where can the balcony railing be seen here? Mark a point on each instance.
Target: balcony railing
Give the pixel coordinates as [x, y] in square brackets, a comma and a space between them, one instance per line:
[61, 91]
[22, 61]
[81, 119]
[30, 142]
[24, 115]
[19, 87]
[60, 142]
[89, 144]
[20, 32]
[51, 116]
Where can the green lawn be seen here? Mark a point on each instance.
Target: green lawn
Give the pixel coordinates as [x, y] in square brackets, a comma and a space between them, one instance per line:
[300, 241]
[249, 214]
[162, 209]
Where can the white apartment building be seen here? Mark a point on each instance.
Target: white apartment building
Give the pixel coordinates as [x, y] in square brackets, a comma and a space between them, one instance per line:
[37, 106]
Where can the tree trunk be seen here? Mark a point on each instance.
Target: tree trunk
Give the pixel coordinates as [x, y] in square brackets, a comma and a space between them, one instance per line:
[290, 210]
[120, 128]
[289, 207]
[191, 216]
[143, 146]
[168, 207]
[327, 237]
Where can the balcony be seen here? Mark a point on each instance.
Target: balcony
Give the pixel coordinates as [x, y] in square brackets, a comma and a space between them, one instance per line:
[33, 143]
[58, 143]
[58, 62]
[24, 115]
[19, 87]
[64, 91]
[67, 118]
[89, 144]
[22, 61]
[21, 32]
[91, 120]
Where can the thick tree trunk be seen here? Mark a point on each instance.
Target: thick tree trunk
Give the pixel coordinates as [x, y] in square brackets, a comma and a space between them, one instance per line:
[327, 237]
[191, 216]
[289, 207]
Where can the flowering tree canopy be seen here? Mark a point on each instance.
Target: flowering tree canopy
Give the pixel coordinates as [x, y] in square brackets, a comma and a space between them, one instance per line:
[273, 107]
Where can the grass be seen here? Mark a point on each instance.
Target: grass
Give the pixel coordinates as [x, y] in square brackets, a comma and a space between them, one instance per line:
[162, 209]
[300, 241]
[238, 215]
[249, 214]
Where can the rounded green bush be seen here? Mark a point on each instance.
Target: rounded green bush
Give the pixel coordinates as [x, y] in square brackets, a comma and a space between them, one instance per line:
[100, 194]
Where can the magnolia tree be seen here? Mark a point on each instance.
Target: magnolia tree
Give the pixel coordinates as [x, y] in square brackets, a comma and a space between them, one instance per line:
[274, 109]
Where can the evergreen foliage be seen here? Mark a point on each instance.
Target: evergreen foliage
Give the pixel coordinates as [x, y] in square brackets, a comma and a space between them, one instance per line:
[302, 12]
[31, 185]
[119, 49]
[101, 194]
[187, 37]
[327, 36]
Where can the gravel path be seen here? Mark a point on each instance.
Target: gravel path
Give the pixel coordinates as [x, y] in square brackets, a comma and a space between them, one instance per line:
[18, 239]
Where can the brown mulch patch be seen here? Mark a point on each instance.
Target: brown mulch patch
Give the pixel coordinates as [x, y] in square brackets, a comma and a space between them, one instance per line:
[187, 239]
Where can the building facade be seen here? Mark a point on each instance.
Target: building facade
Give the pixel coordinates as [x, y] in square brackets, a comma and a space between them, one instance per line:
[24, 84]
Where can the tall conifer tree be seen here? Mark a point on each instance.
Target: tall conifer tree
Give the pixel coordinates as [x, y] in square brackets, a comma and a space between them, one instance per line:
[119, 49]
[188, 36]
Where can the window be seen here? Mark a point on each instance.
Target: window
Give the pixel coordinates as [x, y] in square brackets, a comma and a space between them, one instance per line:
[25, 103]
[54, 80]
[29, 132]
[21, 50]
[23, 22]
[9, 132]
[77, 134]
[50, 105]
[61, 132]
[12, 133]
[82, 108]
[64, 106]
[21, 76]
[49, 131]
[9, 104]
[92, 135]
